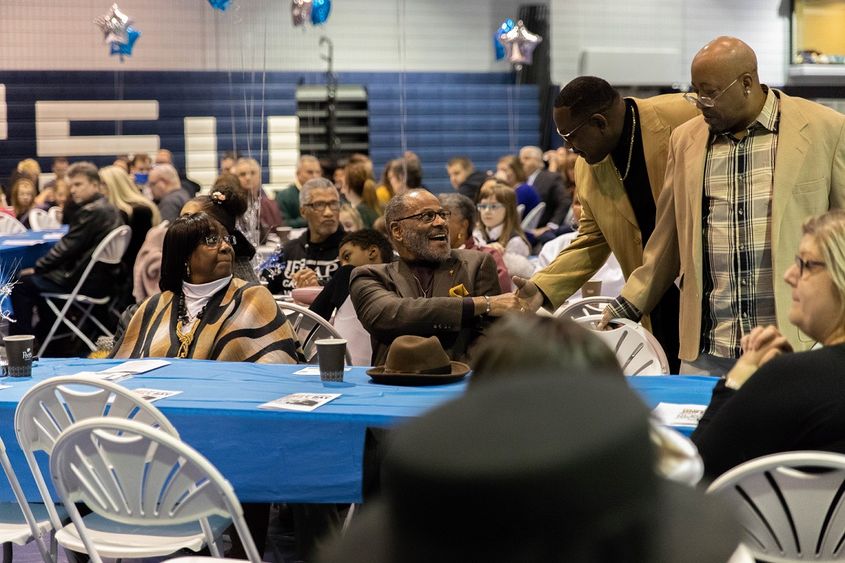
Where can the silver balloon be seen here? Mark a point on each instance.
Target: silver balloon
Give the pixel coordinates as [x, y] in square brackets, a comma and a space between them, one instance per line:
[520, 44]
[300, 11]
[114, 24]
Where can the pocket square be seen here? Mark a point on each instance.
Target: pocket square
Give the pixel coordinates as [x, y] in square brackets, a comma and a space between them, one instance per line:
[459, 291]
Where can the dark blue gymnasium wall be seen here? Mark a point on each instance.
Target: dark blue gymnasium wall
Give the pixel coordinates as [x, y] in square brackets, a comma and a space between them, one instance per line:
[448, 114]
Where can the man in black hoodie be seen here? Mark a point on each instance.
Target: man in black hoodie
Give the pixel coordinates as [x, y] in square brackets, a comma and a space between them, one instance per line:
[464, 177]
[60, 269]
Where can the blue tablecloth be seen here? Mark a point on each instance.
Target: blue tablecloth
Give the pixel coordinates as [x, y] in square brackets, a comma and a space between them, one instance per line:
[272, 455]
[26, 255]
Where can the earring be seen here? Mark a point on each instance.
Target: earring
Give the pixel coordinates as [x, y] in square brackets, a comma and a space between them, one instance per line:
[747, 91]
[188, 270]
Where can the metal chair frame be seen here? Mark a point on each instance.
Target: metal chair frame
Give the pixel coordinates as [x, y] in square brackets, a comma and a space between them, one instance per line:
[311, 332]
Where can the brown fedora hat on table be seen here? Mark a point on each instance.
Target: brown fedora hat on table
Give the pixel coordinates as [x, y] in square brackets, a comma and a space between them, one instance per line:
[416, 360]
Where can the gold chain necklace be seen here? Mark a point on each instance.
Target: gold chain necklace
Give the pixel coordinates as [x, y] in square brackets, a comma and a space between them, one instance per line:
[186, 339]
[630, 148]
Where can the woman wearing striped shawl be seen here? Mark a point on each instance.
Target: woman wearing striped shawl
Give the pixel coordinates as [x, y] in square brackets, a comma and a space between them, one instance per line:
[203, 312]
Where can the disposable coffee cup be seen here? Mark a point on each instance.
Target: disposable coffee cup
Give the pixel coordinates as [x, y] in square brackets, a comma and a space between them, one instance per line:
[331, 353]
[19, 353]
[591, 289]
[284, 233]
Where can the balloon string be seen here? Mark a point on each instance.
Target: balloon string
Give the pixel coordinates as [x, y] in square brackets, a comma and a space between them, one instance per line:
[403, 110]
[511, 140]
[517, 108]
[263, 91]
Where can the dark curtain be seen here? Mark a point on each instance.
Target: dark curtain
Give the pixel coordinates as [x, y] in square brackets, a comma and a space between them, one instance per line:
[536, 20]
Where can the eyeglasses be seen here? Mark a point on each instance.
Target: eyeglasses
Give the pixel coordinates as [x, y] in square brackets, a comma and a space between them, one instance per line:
[708, 101]
[807, 265]
[217, 240]
[320, 206]
[567, 136]
[489, 206]
[428, 216]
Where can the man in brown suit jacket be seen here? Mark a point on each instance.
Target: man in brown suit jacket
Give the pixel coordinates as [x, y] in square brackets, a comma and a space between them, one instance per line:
[431, 290]
[622, 144]
[802, 174]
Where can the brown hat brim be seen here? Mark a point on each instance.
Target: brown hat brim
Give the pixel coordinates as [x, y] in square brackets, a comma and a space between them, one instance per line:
[380, 374]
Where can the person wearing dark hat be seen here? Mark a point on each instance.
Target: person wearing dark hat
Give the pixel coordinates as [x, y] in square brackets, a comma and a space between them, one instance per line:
[577, 482]
[432, 290]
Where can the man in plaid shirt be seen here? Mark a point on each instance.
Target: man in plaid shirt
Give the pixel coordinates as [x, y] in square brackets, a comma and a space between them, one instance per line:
[740, 180]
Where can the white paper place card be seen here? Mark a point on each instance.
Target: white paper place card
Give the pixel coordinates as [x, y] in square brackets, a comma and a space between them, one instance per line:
[153, 395]
[21, 242]
[135, 367]
[314, 370]
[673, 414]
[52, 236]
[4, 386]
[305, 402]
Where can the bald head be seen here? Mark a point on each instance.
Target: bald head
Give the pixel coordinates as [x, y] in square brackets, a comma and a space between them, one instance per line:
[725, 70]
[732, 54]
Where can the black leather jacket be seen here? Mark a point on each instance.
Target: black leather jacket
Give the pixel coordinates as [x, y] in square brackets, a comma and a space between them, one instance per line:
[67, 260]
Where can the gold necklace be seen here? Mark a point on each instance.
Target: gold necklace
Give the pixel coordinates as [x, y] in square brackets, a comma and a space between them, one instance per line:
[186, 339]
[630, 148]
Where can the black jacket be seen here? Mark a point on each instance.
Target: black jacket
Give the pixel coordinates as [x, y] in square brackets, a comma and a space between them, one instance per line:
[552, 190]
[67, 260]
[472, 185]
[300, 253]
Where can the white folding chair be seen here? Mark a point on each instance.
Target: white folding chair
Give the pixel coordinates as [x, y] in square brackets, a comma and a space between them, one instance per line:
[10, 226]
[56, 213]
[638, 351]
[585, 307]
[23, 522]
[49, 408]
[533, 217]
[109, 251]
[138, 476]
[791, 505]
[520, 209]
[310, 327]
[40, 220]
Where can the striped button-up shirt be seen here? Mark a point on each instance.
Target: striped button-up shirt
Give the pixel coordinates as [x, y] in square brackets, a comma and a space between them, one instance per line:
[737, 223]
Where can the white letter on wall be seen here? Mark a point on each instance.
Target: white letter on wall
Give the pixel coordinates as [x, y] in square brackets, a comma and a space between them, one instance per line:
[52, 127]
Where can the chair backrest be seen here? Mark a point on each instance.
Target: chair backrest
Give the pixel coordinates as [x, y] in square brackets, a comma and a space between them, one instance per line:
[586, 307]
[29, 517]
[113, 246]
[310, 327]
[53, 405]
[638, 352]
[39, 220]
[791, 505]
[520, 209]
[533, 217]
[135, 474]
[10, 226]
[56, 212]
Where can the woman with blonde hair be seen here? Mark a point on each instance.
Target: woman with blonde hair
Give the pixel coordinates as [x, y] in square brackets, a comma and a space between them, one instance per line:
[360, 190]
[500, 223]
[774, 400]
[137, 211]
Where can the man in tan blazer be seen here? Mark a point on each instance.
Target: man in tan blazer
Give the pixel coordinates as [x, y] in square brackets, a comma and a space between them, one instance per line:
[740, 180]
[618, 179]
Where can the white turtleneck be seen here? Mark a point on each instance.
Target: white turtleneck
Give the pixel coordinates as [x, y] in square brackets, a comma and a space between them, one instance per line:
[198, 294]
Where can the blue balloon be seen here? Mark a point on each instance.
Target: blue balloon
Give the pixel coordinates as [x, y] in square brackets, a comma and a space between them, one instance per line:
[506, 26]
[219, 4]
[125, 49]
[320, 11]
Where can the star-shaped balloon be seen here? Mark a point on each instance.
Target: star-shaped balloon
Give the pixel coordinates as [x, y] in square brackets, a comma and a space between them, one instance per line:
[119, 34]
[506, 26]
[219, 4]
[519, 45]
[114, 24]
[300, 11]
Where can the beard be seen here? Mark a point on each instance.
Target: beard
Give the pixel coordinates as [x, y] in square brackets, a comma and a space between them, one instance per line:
[419, 243]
